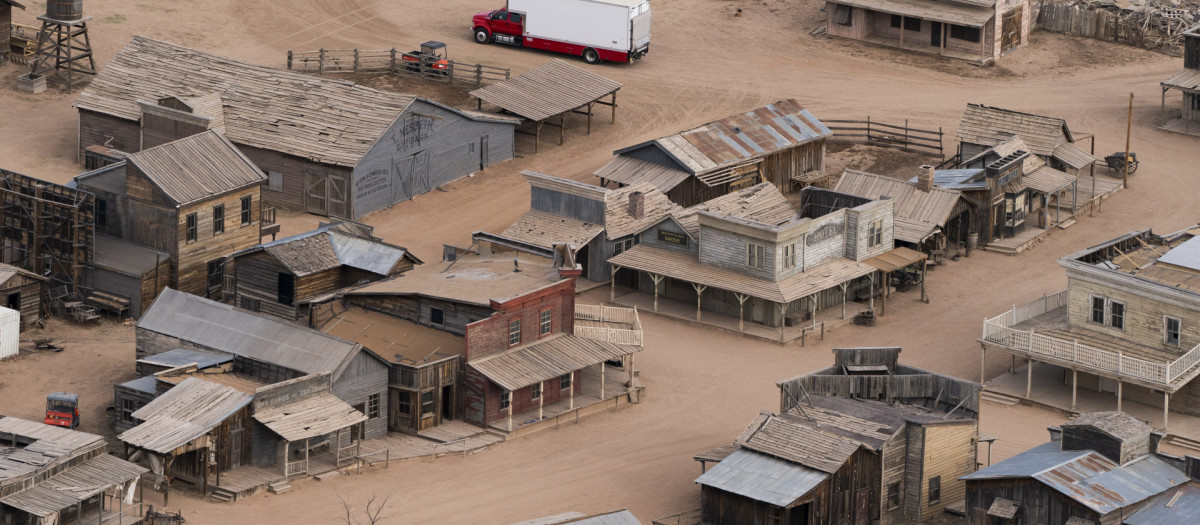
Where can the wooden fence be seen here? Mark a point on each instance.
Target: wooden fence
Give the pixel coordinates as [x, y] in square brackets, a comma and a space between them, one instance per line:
[875, 133]
[394, 62]
[1158, 29]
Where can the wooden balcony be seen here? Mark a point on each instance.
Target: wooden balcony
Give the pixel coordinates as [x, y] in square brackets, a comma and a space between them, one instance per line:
[608, 323]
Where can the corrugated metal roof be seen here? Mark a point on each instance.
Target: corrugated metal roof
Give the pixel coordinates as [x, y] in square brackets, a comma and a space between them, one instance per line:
[762, 478]
[620, 517]
[64, 490]
[367, 255]
[125, 257]
[224, 328]
[628, 170]
[197, 167]
[918, 213]
[1188, 79]
[548, 358]
[1186, 255]
[1178, 507]
[550, 89]
[146, 384]
[310, 417]
[183, 356]
[182, 414]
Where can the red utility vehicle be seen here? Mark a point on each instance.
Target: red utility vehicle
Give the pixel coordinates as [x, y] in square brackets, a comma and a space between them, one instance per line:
[62, 410]
[609, 30]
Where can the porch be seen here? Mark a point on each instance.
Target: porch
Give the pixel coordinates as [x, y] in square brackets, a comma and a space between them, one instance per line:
[958, 31]
[1021, 241]
[925, 48]
[598, 391]
[1184, 126]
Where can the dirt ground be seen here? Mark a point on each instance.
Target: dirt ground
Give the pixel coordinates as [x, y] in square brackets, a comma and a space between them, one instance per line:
[702, 386]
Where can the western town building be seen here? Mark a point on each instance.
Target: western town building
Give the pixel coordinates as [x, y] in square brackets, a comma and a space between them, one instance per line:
[6, 7]
[781, 143]
[196, 199]
[47, 229]
[1049, 138]
[51, 474]
[23, 291]
[927, 217]
[1128, 322]
[492, 338]
[1187, 81]
[283, 277]
[867, 440]
[979, 31]
[1101, 467]
[755, 256]
[327, 146]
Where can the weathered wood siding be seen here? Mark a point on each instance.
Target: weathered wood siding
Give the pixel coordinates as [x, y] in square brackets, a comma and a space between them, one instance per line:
[893, 457]
[193, 257]
[257, 278]
[290, 171]
[779, 168]
[5, 29]
[28, 298]
[427, 146]
[566, 205]
[866, 214]
[950, 452]
[858, 29]
[1090, 438]
[728, 249]
[407, 384]
[160, 129]
[1039, 503]
[1144, 314]
[139, 400]
[914, 494]
[366, 375]
[99, 129]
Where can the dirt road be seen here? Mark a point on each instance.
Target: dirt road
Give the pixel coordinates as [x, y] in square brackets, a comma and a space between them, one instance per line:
[702, 386]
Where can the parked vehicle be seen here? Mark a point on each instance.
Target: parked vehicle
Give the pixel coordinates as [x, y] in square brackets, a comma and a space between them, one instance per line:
[608, 30]
[62, 410]
[432, 55]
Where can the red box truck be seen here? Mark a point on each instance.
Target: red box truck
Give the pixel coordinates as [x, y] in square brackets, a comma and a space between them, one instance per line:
[597, 30]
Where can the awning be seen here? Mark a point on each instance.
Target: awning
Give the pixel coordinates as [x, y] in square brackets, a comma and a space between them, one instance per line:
[1186, 79]
[1072, 156]
[896, 259]
[74, 485]
[310, 417]
[929, 10]
[762, 478]
[547, 359]
[630, 171]
[1047, 180]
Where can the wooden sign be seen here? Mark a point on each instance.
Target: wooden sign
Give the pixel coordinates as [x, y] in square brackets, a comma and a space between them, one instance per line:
[824, 233]
[669, 237]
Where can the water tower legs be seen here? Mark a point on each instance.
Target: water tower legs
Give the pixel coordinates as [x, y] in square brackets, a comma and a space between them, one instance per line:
[65, 50]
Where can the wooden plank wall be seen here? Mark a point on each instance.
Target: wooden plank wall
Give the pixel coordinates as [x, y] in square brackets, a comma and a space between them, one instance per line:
[893, 456]
[567, 205]
[193, 257]
[950, 452]
[416, 309]
[1039, 503]
[96, 128]
[257, 277]
[1143, 314]
[366, 375]
[30, 299]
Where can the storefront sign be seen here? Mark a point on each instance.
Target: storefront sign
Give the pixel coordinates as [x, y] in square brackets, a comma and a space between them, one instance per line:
[669, 237]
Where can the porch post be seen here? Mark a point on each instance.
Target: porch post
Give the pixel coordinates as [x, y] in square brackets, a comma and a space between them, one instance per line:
[741, 298]
[942, 40]
[813, 299]
[286, 456]
[1166, 405]
[306, 456]
[602, 380]
[1074, 386]
[887, 276]
[571, 394]
[657, 279]
[901, 30]
[924, 274]
[541, 402]
[612, 289]
[1028, 377]
[844, 286]
[699, 292]
[510, 409]
[982, 363]
[1120, 387]
[871, 298]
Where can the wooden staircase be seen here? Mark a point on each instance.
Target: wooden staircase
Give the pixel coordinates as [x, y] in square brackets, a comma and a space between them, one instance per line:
[221, 495]
[280, 487]
[998, 398]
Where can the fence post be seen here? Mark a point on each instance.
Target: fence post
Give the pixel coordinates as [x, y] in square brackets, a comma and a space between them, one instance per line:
[356, 61]
[868, 129]
[392, 62]
[478, 75]
[941, 150]
[289, 66]
[905, 133]
[321, 62]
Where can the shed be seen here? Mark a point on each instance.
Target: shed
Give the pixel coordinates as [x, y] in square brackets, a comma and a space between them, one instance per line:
[1187, 81]
[983, 127]
[23, 291]
[130, 271]
[10, 332]
[781, 143]
[548, 91]
[921, 211]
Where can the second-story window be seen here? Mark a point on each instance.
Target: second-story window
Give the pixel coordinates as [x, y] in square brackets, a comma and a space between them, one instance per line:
[875, 233]
[218, 219]
[1097, 310]
[514, 332]
[789, 256]
[1116, 315]
[246, 210]
[754, 255]
[1171, 328]
[190, 234]
[546, 322]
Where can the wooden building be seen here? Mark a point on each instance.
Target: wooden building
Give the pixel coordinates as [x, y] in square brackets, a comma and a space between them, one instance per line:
[6, 7]
[1128, 320]
[328, 146]
[927, 217]
[867, 440]
[619, 517]
[282, 277]
[754, 256]
[781, 143]
[48, 229]
[597, 222]
[50, 474]
[1187, 81]
[196, 199]
[131, 271]
[23, 291]
[979, 31]
[1049, 138]
[1101, 467]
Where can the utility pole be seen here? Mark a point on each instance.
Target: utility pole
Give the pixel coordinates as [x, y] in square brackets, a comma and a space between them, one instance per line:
[1128, 132]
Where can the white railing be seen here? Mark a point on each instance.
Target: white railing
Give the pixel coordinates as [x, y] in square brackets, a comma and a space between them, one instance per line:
[610, 335]
[997, 330]
[609, 314]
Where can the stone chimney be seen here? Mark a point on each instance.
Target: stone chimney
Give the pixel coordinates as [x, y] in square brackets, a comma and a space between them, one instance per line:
[925, 178]
[637, 205]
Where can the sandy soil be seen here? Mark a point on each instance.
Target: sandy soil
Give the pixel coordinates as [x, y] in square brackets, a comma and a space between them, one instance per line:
[702, 386]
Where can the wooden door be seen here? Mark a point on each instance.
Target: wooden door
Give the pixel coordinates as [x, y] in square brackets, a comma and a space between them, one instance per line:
[235, 447]
[316, 193]
[935, 34]
[336, 190]
[483, 152]
[216, 278]
[1010, 30]
[862, 507]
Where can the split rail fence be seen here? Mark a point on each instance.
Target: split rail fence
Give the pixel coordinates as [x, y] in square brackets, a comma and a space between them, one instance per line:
[394, 62]
[876, 133]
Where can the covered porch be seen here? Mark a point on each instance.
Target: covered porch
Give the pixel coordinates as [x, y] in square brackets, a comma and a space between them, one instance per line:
[603, 386]
[320, 423]
[965, 32]
[100, 491]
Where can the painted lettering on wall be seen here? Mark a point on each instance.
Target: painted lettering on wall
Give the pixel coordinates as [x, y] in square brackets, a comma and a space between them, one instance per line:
[824, 233]
[677, 239]
[374, 182]
[413, 132]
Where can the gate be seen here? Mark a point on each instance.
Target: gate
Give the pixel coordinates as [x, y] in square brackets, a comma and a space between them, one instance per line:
[315, 194]
[336, 190]
[1010, 32]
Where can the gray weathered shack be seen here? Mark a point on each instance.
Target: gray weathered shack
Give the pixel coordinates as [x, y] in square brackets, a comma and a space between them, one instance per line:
[983, 127]
[23, 291]
[328, 146]
[1187, 81]
[927, 217]
[6, 7]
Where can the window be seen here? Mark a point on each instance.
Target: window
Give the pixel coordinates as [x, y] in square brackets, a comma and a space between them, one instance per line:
[250, 304]
[935, 489]
[274, 181]
[1097, 310]
[546, 322]
[875, 233]
[404, 404]
[535, 391]
[218, 219]
[754, 255]
[437, 316]
[373, 406]
[191, 227]
[505, 400]
[246, 210]
[514, 332]
[620, 247]
[910, 23]
[1171, 331]
[789, 256]
[970, 34]
[128, 407]
[101, 214]
[515, 18]
[893, 495]
[426, 403]
[216, 277]
[499, 15]
[286, 288]
[1116, 315]
[1195, 102]
[564, 382]
[842, 14]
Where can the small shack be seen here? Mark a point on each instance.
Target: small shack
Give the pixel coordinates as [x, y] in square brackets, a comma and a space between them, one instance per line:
[1187, 81]
[1049, 138]
[23, 291]
[130, 271]
[781, 143]
[927, 217]
[6, 7]
[544, 95]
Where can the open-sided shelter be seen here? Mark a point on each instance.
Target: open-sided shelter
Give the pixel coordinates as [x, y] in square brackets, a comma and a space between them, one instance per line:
[1187, 81]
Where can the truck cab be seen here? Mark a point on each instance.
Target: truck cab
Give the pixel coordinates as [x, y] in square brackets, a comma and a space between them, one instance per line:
[502, 26]
[62, 410]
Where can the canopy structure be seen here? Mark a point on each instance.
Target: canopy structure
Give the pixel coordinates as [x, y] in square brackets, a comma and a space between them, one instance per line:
[75, 485]
[310, 417]
[546, 359]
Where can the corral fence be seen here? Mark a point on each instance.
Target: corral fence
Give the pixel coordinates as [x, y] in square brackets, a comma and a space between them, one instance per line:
[876, 133]
[1158, 28]
[394, 62]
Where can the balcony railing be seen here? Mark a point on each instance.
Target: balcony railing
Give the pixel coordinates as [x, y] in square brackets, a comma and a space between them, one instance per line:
[998, 331]
[609, 314]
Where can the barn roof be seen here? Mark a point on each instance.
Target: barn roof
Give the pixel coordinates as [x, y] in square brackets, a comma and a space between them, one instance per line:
[620, 517]
[762, 477]
[222, 327]
[183, 414]
[918, 213]
[197, 167]
[317, 118]
[548, 90]
[330, 246]
[732, 140]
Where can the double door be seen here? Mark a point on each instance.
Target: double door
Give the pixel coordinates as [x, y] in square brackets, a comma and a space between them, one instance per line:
[326, 194]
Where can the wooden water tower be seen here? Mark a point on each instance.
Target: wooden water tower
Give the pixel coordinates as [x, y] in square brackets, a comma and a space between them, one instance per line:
[64, 48]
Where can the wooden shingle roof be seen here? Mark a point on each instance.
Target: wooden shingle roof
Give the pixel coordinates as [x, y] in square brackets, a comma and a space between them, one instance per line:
[310, 417]
[74, 485]
[544, 229]
[547, 358]
[779, 435]
[918, 213]
[195, 168]
[759, 203]
[550, 89]
[183, 414]
[989, 126]
[318, 118]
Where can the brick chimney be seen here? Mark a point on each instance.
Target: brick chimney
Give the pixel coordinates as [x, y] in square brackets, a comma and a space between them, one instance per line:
[637, 205]
[925, 178]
